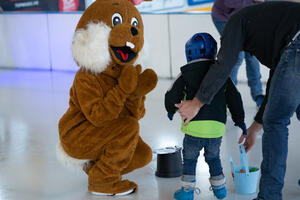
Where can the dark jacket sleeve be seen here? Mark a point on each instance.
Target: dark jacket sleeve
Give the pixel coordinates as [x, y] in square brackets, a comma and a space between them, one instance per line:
[237, 4]
[235, 103]
[259, 115]
[231, 44]
[174, 95]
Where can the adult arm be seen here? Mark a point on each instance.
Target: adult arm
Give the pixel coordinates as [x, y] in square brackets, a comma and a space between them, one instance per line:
[231, 44]
[237, 4]
[257, 125]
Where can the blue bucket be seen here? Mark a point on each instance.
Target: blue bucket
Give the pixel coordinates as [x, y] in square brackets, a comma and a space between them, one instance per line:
[245, 177]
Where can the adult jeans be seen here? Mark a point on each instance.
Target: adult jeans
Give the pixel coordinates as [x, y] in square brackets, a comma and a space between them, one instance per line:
[252, 66]
[283, 102]
[298, 112]
[191, 150]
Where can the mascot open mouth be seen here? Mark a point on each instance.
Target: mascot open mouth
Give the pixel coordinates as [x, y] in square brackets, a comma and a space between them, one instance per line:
[124, 54]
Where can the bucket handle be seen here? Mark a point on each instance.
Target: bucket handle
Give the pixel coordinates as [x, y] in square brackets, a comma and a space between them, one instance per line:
[231, 164]
[243, 158]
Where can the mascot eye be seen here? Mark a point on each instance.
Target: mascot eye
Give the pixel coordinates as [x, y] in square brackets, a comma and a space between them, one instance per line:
[134, 22]
[116, 19]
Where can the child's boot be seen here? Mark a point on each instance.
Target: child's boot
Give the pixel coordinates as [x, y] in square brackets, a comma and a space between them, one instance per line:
[187, 191]
[218, 186]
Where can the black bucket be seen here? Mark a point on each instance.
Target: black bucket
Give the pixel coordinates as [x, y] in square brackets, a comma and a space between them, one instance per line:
[169, 162]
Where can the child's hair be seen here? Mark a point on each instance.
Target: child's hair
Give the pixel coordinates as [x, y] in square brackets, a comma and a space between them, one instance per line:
[201, 45]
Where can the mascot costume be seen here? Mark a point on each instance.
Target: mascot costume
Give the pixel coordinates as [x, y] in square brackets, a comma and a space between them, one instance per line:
[100, 130]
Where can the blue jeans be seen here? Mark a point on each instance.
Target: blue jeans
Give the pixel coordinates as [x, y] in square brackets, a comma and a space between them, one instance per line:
[298, 112]
[191, 150]
[252, 66]
[283, 102]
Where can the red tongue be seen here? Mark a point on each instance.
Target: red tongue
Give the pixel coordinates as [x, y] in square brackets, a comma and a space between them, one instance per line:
[124, 56]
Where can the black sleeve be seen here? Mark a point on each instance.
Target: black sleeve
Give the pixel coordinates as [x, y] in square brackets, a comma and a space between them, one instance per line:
[231, 44]
[259, 115]
[174, 95]
[235, 103]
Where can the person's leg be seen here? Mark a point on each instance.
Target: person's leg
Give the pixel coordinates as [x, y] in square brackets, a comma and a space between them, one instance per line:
[191, 149]
[212, 158]
[298, 112]
[220, 25]
[141, 157]
[105, 175]
[282, 103]
[253, 76]
[234, 72]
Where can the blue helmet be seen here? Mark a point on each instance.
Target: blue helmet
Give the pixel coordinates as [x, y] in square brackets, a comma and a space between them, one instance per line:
[201, 45]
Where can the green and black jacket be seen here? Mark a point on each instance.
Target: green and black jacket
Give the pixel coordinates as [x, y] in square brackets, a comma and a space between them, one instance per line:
[211, 119]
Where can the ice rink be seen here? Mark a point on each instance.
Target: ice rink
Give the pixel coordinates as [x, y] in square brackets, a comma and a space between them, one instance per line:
[31, 104]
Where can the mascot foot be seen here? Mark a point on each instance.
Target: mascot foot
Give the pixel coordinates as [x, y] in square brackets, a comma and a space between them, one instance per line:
[124, 187]
[117, 194]
[87, 166]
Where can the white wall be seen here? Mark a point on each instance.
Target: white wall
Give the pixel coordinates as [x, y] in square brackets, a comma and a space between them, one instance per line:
[61, 30]
[43, 41]
[24, 41]
[156, 34]
[183, 27]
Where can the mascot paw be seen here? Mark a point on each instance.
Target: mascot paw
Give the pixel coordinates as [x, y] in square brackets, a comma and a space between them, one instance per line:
[146, 82]
[123, 187]
[128, 79]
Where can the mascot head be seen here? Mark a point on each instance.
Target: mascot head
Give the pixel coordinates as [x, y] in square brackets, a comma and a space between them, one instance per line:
[108, 32]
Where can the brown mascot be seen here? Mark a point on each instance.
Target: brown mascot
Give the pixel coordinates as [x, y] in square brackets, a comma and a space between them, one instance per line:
[100, 129]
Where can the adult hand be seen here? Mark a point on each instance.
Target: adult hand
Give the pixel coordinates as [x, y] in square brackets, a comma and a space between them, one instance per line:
[188, 109]
[252, 132]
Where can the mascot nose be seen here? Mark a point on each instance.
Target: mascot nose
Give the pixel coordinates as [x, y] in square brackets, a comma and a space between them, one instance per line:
[134, 31]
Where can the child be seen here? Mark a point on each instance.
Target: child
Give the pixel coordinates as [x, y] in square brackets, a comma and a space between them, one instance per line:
[207, 128]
